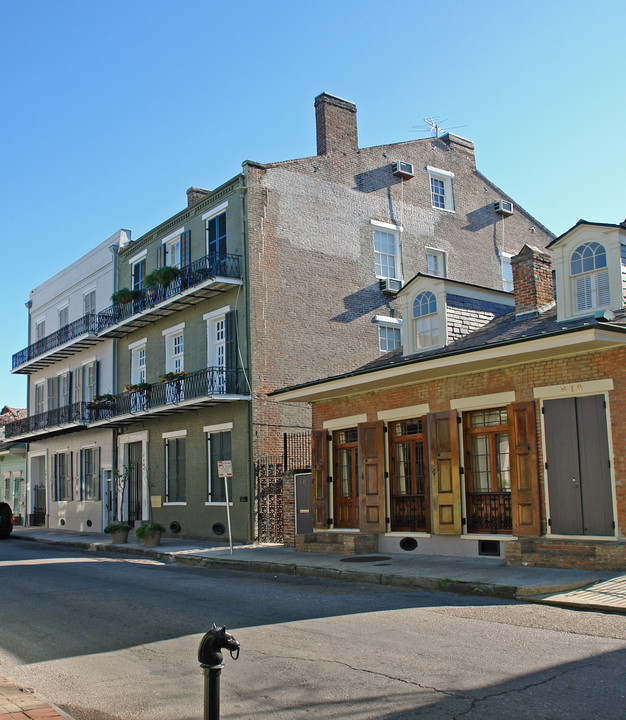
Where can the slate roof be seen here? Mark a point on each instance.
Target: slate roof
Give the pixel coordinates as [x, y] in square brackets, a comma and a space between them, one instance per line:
[8, 414]
[503, 330]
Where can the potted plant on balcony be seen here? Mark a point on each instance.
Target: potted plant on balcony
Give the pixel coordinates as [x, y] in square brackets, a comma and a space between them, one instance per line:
[118, 532]
[138, 387]
[122, 296]
[150, 533]
[173, 376]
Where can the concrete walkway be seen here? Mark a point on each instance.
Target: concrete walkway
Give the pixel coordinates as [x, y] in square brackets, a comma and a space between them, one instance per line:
[488, 577]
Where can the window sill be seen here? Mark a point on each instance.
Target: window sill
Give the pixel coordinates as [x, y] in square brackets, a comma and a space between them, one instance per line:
[217, 504]
[174, 503]
[446, 210]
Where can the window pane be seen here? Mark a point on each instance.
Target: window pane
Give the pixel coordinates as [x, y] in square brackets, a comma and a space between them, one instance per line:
[389, 338]
[503, 460]
[481, 463]
[345, 472]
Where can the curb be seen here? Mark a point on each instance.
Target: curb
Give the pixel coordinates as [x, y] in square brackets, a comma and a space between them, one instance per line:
[19, 703]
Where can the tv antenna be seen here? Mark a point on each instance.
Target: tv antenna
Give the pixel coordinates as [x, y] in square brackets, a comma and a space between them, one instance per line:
[435, 126]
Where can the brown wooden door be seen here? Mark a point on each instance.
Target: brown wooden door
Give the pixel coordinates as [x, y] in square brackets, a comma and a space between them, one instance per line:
[372, 476]
[345, 479]
[524, 471]
[444, 471]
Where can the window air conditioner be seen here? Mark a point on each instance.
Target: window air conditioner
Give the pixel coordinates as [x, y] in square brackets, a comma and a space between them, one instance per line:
[389, 286]
[403, 170]
[503, 207]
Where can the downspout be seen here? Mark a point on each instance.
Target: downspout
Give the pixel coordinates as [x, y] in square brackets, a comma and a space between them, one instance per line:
[29, 305]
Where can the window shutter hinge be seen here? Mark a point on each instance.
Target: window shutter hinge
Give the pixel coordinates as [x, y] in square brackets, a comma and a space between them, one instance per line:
[549, 522]
[329, 479]
[463, 521]
[329, 522]
[458, 419]
[546, 465]
[462, 471]
[385, 428]
[388, 521]
[386, 474]
[543, 410]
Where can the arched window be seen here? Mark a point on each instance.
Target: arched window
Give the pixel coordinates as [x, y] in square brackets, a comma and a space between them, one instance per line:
[590, 277]
[425, 319]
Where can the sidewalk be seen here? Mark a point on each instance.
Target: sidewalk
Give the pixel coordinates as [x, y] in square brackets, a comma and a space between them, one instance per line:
[487, 577]
[17, 703]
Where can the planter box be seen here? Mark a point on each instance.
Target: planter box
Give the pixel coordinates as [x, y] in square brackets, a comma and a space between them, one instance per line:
[152, 540]
[120, 537]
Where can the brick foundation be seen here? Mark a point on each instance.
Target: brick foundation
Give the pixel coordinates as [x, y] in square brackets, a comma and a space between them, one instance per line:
[337, 542]
[586, 555]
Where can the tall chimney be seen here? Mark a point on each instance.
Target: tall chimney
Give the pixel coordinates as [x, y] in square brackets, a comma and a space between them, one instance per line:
[335, 121]
[533, 286]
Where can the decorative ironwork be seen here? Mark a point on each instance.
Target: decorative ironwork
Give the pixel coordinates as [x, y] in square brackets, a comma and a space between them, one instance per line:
[268, 476]
[408, 513]
[489, 512]
[212, 381]
[206, 268]
[297, 451]
[83, 326]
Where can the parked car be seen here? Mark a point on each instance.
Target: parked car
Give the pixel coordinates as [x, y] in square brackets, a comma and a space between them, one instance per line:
[6, 520]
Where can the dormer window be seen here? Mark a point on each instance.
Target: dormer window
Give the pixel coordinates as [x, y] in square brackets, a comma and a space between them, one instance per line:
[425, 319]
[590, 277]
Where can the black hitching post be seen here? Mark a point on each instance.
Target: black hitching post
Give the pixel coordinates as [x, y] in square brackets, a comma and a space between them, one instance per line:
[211, 661]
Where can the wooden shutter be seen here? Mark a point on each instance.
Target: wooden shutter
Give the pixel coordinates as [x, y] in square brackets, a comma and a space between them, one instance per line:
[230, 327]
[525, 506]
[185, 250]
[319, 463]
[78, 385]
[161, 256]
[372, 477]
[52, 393]
[445, 478]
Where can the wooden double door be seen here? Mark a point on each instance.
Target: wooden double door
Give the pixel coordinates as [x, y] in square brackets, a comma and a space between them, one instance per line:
[578, 466]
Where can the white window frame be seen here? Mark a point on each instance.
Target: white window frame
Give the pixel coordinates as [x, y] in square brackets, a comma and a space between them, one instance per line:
[174, 360]
[65, 309]
[40, 397]
[440, 257]
[173, 435]
[592, 279]
[88, 389]
[215, 430]
[91, 293]
[41, 323]
[173, 242]
[445, 177]
[420, 321]
[395, 231]
[388, 323]
[507, 271]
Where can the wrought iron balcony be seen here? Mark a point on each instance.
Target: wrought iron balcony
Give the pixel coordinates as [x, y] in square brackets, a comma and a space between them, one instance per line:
[489, 512]
[209, 384]
[83, 330]
[210, 273]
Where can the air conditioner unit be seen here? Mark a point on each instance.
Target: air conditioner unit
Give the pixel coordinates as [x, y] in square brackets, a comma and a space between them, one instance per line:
[389, 286]
[403, 170]
[503, 207]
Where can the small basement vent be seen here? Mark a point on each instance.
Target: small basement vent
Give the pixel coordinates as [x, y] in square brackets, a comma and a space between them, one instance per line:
[403, 170]
[503, 207]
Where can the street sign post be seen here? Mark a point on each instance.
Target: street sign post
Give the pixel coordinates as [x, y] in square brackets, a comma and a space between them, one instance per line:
[225, 470]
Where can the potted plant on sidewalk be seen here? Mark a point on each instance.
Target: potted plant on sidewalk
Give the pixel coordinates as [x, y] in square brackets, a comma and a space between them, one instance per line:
[150, 533]
[118, 532]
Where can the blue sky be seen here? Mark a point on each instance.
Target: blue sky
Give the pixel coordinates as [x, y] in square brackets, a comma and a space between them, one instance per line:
[111, 110]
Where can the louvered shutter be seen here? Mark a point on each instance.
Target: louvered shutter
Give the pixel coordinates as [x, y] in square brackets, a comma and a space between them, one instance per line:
[230, 326]
[161, 256]
[372, 477]
[604, 295]
[319, 464]
[445, 478]
[185, 248]
[525, 506]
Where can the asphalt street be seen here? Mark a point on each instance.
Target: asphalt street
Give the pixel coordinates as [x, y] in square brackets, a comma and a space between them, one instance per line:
[112, 637]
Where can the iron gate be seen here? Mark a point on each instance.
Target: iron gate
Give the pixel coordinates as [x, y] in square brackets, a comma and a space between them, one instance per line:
[268, 480]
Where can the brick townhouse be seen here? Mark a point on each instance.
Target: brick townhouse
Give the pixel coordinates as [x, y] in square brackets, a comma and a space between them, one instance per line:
[507, 441]
[283, 273]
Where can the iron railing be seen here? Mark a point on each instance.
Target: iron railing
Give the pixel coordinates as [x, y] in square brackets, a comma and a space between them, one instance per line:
[489, 512]
[297, 451]
[408, 513]
[210, 266]
[84, 325]
[207, 267]
[212, 381]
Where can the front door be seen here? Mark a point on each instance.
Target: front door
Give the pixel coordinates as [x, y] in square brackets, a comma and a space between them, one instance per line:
[578, 466]
[345, 479]
[408, 487]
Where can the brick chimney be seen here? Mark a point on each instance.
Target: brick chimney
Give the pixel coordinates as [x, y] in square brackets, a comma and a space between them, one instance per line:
[335, 121]
[532, 281]
[194, 194]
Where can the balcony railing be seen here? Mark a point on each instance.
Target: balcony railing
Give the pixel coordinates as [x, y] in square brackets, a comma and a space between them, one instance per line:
[86, 324]
[489, 512]
[209, 382]
[210, 266]
[408, 513]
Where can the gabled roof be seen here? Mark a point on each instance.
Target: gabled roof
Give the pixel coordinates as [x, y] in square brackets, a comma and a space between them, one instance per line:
[614, 226]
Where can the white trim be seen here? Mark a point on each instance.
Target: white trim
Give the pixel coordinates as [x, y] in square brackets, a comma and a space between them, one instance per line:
[89, 361]
[90, 446]
[64, 371]
[66, 304]
[137, 257]
[409, 411]
[216, 313]
[173, 329]
[174, 503]
[137, 344]
[91, 288]
[589, 387]
[141, 436]
[215, 504]
[387, 320]
[478, 402]
[217, 428]
[174, 434]
[386, 226]
[437, 171]
[173, 235]
[344, 422]
[215, 211]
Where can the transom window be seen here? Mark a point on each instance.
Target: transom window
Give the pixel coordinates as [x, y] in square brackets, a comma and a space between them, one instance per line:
[426, 319]
[590, 277]
[386, 254]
